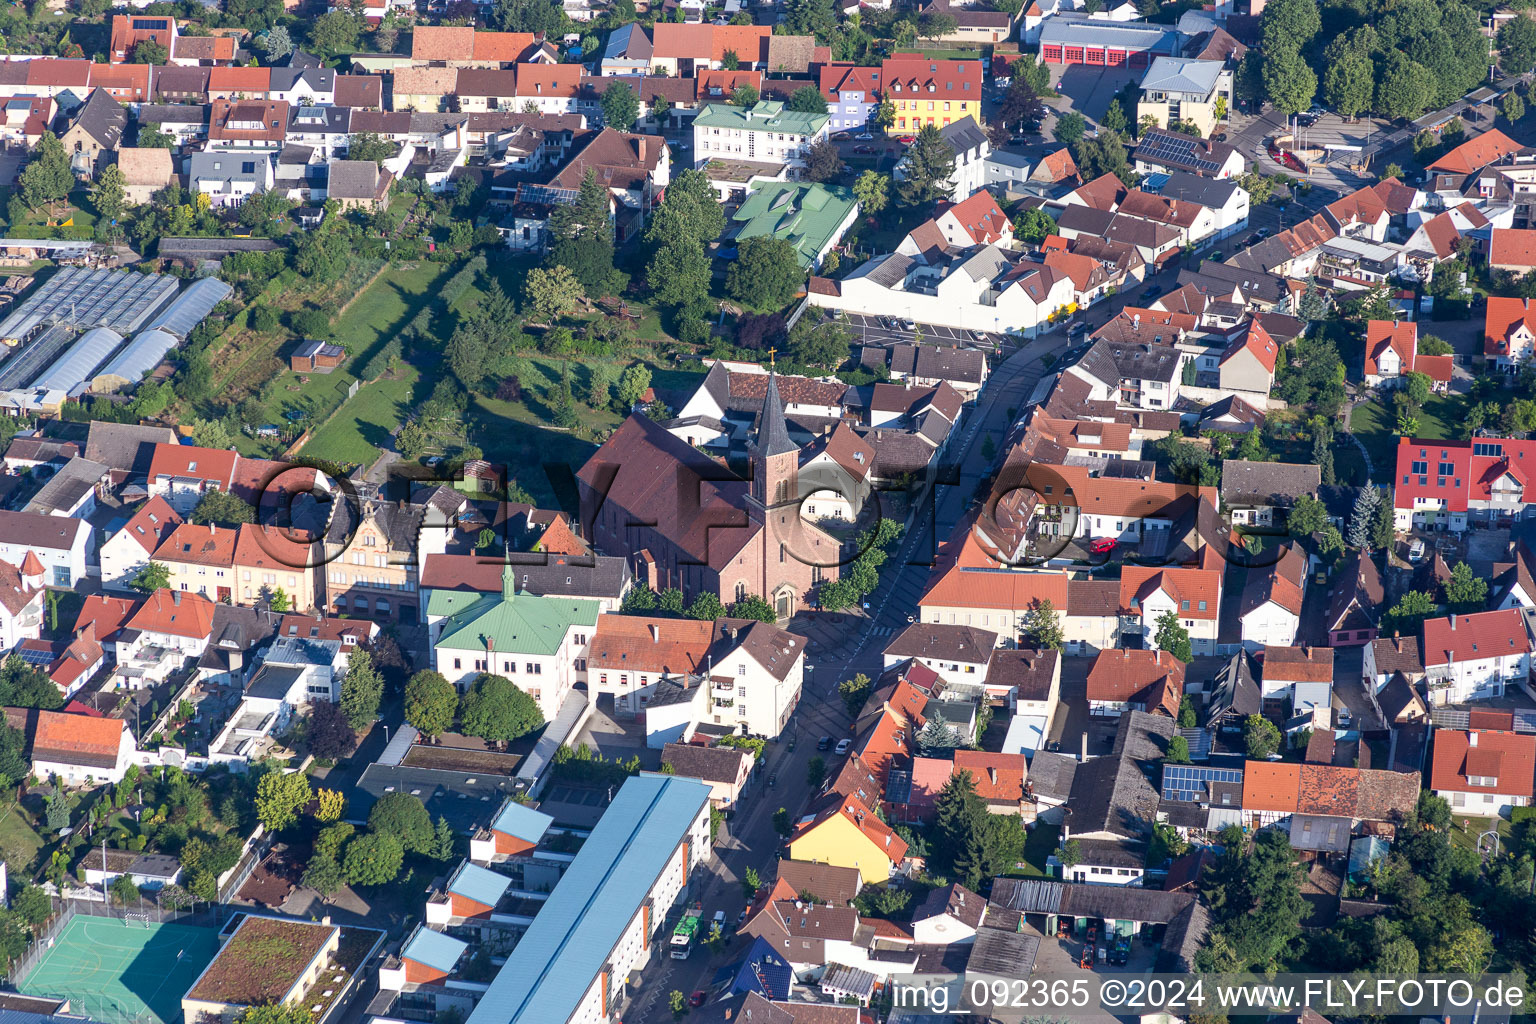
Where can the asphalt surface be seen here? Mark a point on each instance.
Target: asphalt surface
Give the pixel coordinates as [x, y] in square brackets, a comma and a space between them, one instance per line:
[841, 646]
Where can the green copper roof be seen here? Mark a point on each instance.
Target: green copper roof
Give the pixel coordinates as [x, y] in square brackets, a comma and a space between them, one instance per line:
[804, 214]
[763, 116]
[521, 623]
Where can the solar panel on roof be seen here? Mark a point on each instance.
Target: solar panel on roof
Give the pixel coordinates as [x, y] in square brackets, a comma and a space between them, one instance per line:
[1176, 148]
[32, 656]
[1188, 783]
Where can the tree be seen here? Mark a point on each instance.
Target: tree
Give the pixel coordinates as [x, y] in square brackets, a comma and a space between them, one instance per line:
[1260, 737]
[1171, 636]
[1070, 854]
[1348, 83]
[552, 291]
[1021, 104]
[581, 233]
[496, 710]
[782, 824]
[754, 607]
[956, 837]
[1070, 127]
[124, 890]
[884, 115]
[1042, 627]
[329, 735]
[1409, 613]
[330, 805]
[1465, 592]
[1517, 45]
[746, 95]
[807, 100]
[1363, 517]
[151, 137]
[430, 703]
[324, 875]
[277, 43]
[370, 146]
[1404, 88]
[766, 273]
[855, 692]
[1307, 516]
[373, 860]
[691, 209]
[335, 33]
[679, 273]
[108, 192]
[149, 51]
[442, 840]
[873, 190]
[275, 1014]
[280, 796]
[1513, 106]
[620, 106]
[823, 162]
[47, 177]
[633, 383]
[221, 508]
[1034, 225]
[152, 577]
[1288, 25]
[361, 689]
[815, 772]
[1186, 713]
[1178, 751]
[405, 817]
[929, 170]
[678, 1004]
[1288, 80]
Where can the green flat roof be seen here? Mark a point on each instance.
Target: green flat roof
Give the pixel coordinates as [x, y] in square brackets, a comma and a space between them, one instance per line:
[805, 214]
[524, 623]
[764, 116]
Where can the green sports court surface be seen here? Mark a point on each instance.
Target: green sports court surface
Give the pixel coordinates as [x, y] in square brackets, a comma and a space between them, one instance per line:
[123, 972]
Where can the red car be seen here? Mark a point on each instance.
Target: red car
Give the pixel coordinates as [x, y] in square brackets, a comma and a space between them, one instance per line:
[907, 140]
[1102, 546]
[697, 999]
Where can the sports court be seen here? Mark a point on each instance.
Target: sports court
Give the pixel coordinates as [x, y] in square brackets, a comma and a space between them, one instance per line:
[123, 972]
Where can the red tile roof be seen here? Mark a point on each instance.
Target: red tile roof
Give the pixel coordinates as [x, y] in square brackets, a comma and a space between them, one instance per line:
[1197, 592]
[1298, 664]
[1154, 679]
[106, 615]
[176, 613]
[979, 217]
[748, 42]
[1501, 318]
[1102, 193]
[998, 777]
[1508, 757]
[640, 643]
[151, 524]
[538, 80]
[241, 80]
[503, 47]
[1461, 638]
[442, 42]
[1437, 368]
[229, 120]
[905, 74]
[1253, 338]
[176, 460]
[1476, 153]
[875, 830]
[1271, 786]
[836, 79]
[198, 545]
[1401, 337]
[78, 739]
[1512, 247]
[717, 84]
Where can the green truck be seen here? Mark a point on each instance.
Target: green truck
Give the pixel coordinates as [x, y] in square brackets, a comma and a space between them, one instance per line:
[687, 931]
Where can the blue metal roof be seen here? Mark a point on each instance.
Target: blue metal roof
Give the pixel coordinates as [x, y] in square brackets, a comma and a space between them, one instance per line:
[433, 949]
[575, 933]
[522, 822]
[479, 884]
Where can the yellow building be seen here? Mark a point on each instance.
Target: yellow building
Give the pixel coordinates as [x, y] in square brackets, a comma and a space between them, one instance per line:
[936, 92]
[846, 834]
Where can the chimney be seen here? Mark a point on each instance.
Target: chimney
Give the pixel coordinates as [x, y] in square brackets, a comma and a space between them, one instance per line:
[1472, 738]
[655, 633]
[640, 146]
[1453, 620]
[1083, 756]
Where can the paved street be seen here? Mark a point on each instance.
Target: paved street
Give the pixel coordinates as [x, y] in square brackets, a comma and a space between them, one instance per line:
[840, 645]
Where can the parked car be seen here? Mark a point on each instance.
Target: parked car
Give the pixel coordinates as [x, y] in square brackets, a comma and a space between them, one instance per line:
[910, 325]
[842, 747]
[1148, 294]
[1215, 255]
[773, 780]
[1262, 232]
[862, 150]
[1102, 545]
[824, 743]
[1077, 329]
[697, 999]
[863, 136]
[907, 140]
[978, 336]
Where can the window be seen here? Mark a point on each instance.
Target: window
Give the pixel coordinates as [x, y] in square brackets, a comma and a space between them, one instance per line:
[741, 669]
[1486, 448]
[1447, 468]
[741, 691]
[1419, 469]
[1183, 606]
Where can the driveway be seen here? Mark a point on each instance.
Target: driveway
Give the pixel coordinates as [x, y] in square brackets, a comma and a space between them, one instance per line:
[1088, 90]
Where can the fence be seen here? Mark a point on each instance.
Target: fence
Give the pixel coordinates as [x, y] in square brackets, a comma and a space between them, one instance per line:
[255, 849]
[50, 931]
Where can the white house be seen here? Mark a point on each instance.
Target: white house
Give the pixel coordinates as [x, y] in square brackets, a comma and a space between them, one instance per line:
[970, 147]
[81, 749]
[1476, 656]
[1272, 596]
[949, 916]
[60, 545]
[761, 668]
[1301, 675]
[128, 550]
[957, 653]
[766, 133]
[1483, 772]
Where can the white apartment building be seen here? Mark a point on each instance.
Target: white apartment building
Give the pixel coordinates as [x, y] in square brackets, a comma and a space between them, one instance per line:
[765, 133]
[1474, 657]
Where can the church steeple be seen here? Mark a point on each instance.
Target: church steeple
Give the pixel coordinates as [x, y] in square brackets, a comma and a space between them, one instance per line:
[775, 458]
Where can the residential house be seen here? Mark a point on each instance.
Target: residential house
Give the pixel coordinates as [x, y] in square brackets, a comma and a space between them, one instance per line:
[1271, 601]
[842, 832]
[247, 124]
[968, 143]
[809, 216]
[145, 172]
[1193, 595]
[852, 94]
[1483, 772]
[95, 130]
[950, 915]
[1390, 349]
[1387, 657]
[199, 559]
[1159, 151]
[954, 652]
[765, 133]
[1262, 493]
[1481, 480]
[129, 549]
[1129, 680]
[808, 936]
[1355, 602]
[230, 178]
[1475, 656]
[56, 545]
[371, 560]
[1509, 332]
[1247, 365]
[1301, 677]
[269, 562]
[516, 830]
[1181, 89]
[1512, 250]
[726, 769]
[935, 92]
[82, 750]
[21, 603]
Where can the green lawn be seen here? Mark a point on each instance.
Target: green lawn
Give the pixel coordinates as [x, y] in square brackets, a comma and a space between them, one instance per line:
[1042, 842]
[1467, 837]
[1374, 423]
[362, 426]
[19, 842]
